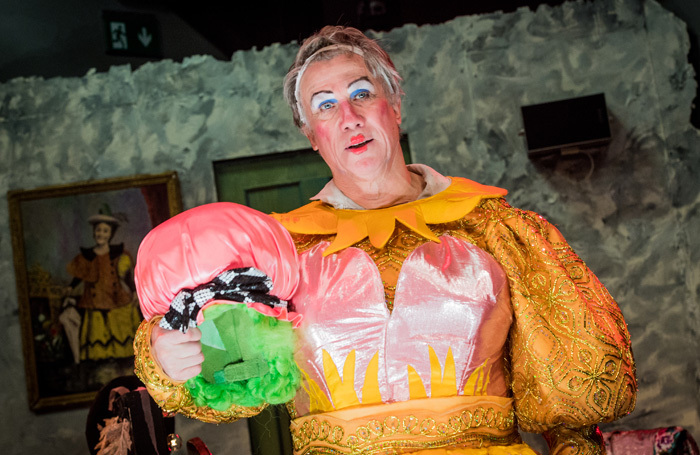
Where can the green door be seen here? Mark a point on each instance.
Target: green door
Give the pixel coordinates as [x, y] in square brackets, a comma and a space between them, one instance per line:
[272, 183]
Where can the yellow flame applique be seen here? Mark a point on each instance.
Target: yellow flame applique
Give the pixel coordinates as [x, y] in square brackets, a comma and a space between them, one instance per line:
[370, 389]
[444, 383]
[342, 390]
[318, 401]
[478, 381]
[416, 389]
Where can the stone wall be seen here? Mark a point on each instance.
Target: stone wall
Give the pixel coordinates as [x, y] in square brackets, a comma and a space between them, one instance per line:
[629, 211]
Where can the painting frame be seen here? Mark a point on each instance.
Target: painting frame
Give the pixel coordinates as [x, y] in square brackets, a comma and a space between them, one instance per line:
[41, 249]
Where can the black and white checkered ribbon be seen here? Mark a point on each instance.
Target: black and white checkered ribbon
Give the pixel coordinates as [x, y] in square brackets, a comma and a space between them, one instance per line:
[245, 285]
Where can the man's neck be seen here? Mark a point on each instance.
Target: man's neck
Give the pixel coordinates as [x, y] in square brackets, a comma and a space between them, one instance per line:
[400, 188]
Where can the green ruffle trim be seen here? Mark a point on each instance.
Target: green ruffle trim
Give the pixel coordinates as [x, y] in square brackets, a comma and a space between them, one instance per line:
[269, 340]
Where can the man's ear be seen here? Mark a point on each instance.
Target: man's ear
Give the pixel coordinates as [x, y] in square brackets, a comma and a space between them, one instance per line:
[397, 109]
[310, 136]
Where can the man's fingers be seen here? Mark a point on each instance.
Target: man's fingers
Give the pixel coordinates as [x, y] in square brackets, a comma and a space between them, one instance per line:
[194, 334]
[179, 354]
[183, 368]
[177, 337]
[194, 357]
[184, 351]
[174, 337]
[187, 373]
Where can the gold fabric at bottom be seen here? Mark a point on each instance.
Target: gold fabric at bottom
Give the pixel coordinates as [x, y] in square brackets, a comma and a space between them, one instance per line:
[452, 425]
[513, 449]
[580, 441]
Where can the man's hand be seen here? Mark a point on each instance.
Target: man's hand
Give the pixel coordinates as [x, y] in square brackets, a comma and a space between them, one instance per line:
[178, 354]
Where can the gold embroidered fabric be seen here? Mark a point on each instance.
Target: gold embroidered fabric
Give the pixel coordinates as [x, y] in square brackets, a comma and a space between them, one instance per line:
[571, 356]
[584, 441]
[455, 422]
[571, 363]
[173, 396]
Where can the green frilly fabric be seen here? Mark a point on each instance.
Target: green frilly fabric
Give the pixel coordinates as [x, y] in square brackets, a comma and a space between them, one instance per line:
[248, 359]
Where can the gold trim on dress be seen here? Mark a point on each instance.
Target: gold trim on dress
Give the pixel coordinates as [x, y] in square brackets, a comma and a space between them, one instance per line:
[454, 422]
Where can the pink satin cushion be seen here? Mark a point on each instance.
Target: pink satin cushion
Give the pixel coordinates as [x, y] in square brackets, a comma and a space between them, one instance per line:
[195, 246]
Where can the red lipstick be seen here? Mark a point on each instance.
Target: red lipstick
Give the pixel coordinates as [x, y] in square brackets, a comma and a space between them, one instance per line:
[358, 144]
[357, 139]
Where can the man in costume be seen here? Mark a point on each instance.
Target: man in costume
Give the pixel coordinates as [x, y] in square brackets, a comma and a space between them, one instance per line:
[429, 315]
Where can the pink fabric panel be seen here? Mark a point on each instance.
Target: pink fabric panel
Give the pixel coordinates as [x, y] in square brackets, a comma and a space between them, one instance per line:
[450, 295]
[342, 300]
[447, 298]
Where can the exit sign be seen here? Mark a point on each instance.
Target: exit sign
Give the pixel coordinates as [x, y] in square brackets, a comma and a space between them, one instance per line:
[132, 34]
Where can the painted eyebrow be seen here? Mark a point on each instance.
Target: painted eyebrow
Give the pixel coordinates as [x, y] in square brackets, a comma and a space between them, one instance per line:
[325, 96]
[321, 97]
[321, 92]
[360, 79]
[363, 78]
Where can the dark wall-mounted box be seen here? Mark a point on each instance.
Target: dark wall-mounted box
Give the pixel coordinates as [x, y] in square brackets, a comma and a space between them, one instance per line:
[565, 125]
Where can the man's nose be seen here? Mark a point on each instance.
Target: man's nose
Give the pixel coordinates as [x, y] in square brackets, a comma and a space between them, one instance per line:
[351, 117]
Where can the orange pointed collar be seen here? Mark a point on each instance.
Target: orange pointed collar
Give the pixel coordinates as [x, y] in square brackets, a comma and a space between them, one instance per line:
[352, 226]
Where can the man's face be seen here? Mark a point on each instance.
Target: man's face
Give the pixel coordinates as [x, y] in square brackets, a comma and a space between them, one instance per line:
[350, 120]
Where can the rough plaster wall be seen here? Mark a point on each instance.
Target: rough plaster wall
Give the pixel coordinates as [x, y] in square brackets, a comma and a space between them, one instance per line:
[634, 218]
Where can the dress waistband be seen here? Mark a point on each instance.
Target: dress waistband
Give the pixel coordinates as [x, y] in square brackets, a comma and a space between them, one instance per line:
[408, 426]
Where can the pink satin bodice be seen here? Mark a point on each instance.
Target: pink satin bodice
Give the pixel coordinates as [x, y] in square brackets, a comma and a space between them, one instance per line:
[451, 300]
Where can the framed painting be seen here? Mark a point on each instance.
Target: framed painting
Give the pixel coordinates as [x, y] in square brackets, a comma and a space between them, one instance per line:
[74, 253]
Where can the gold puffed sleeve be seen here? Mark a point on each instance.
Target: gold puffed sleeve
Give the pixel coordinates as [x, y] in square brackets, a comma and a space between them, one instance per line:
[571, 357]
[578, 441]
[173, 396]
